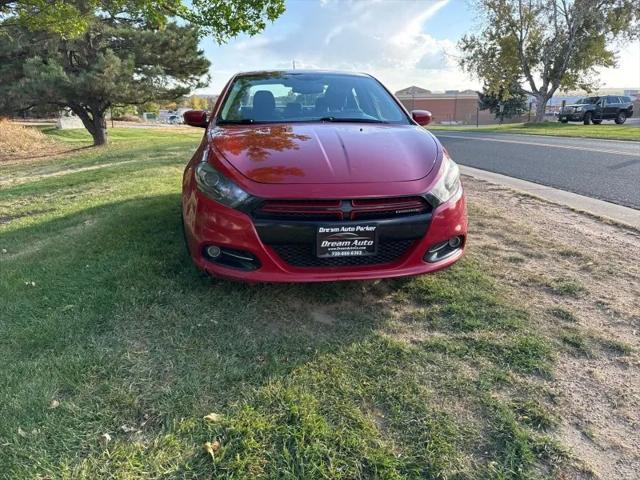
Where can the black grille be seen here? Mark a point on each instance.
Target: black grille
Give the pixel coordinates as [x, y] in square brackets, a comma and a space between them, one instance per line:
[302, 255]
[342, 210]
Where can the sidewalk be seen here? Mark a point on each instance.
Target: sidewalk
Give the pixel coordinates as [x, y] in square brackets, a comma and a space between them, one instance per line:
[611, 211]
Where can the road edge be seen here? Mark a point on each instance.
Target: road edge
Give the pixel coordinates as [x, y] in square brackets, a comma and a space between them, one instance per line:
[542, 135]
[626, 216]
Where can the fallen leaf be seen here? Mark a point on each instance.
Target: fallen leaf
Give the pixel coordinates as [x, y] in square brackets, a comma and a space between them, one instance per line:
[211, 447]
[212, 417]
[4, 250]
[54, 404]
[21, 432]
[127, 429]
[104, 439]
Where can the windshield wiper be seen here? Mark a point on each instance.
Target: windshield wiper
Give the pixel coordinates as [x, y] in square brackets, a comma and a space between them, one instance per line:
[242, 121]
[351, 120]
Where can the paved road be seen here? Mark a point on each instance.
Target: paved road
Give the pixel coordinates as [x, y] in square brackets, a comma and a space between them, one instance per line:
[603, 169]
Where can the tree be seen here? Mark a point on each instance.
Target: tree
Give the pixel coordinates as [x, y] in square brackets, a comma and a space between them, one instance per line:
[544, 45]
[112, 63]
[170, 106]
[220, 19]
[149, 107]
[197, 103]
[513, 102]
[87, 55]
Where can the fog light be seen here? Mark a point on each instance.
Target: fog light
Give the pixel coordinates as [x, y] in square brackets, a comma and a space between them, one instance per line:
[454, 242]
[442, 250]
[230, 257]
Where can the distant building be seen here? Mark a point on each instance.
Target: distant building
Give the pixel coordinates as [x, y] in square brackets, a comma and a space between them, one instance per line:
[461, 107]
[451, 107]
[412, 90]
[68, 120]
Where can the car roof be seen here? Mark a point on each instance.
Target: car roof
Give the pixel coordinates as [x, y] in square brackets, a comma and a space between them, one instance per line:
[298, 72]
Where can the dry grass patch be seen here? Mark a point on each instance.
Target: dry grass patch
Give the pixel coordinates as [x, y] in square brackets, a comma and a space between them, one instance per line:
[581, 290]
[18, 142]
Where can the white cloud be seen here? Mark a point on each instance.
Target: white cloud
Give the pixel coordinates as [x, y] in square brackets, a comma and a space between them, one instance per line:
[412, 32]
[389, 39]
[384, 38]
[627, 72]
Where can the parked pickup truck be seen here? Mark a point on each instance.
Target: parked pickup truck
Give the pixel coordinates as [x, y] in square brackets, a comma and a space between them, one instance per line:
[597, 109]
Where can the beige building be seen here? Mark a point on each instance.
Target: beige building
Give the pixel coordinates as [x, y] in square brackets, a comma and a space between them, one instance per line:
[450, 107]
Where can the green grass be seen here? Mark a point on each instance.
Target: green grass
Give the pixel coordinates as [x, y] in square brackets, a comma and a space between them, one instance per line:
[606, 130]
[125, 338]
[563, 314]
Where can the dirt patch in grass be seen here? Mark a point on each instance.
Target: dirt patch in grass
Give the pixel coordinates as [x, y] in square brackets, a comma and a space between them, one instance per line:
[19, 143]
[582, 287]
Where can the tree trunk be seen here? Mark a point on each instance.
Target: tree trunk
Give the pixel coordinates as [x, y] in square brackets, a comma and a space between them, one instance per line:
[99, 132]
[541, 105]
[94, 121]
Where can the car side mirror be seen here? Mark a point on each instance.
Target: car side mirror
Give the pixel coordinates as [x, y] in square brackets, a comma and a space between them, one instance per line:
[421, 117]
[196, 118]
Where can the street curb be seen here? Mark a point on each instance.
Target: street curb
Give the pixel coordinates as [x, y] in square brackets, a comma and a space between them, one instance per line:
[566, 137]
[611, 211]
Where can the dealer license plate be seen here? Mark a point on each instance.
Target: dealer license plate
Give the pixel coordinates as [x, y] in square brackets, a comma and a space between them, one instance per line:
[346, 241]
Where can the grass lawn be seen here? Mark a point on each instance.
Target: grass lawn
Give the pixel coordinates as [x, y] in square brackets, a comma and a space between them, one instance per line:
[113, 348]
[606, 130]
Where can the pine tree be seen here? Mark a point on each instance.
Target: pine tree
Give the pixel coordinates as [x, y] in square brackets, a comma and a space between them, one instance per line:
[112, 63]
[89, 56]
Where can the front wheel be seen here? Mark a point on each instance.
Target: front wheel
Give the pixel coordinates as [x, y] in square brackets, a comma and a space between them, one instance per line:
[587, 118]
[621, 118]
[564, 120]
[597, 122]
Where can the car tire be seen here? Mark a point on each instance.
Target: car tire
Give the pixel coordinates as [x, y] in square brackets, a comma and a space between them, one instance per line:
[597, 122]
[621, 118]
[587, 118]
[564, 120]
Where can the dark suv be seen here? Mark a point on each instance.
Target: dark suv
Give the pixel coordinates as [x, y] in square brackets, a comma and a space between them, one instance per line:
[596, 109]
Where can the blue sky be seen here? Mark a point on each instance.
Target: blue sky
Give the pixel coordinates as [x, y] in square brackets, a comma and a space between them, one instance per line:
[401, 42]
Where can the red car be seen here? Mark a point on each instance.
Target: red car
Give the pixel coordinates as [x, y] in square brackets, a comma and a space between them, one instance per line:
[306, 176]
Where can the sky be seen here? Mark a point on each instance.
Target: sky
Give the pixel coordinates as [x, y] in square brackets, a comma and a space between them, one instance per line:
[400, 42]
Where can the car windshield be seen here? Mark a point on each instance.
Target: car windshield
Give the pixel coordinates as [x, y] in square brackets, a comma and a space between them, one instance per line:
[309, 97]
[586, 100]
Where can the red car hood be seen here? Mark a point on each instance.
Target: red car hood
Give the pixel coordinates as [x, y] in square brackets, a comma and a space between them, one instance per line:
[327, 153]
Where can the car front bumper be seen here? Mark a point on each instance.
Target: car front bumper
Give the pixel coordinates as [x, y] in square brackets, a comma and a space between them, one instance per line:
[210, 223]
[572, 117]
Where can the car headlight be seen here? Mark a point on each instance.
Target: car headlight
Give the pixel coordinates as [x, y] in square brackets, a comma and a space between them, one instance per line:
[578, 109]
[449, 182]
[218, 187]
